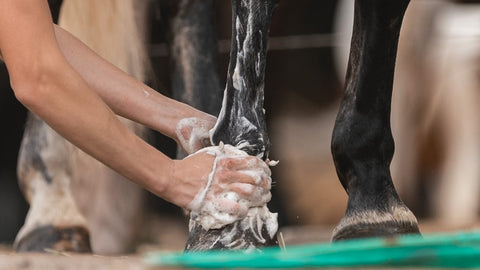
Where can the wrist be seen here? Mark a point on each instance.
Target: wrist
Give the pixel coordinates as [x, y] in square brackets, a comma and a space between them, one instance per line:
[172, 186]
[160, 177]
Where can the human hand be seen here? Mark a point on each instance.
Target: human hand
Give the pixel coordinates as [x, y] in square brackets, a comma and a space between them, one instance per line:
[193, 133]
[219, 184]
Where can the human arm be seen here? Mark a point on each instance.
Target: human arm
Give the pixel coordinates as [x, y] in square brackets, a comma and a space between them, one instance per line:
[45, 82]
[134, 100]
[47, 85]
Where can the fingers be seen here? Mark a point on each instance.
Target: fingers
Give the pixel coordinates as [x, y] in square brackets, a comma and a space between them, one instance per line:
[245, 194]
[230, 179]
[230, 176]
[237, 183]
[251, 196]
[247, 176]
[231, 207]
[243, 163]
[244, 176]
[244, 190]
[255, 176]
[236, 206]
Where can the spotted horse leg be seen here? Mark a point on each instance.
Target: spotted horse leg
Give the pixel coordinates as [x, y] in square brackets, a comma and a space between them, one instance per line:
[362, 142]
[44, 174]
[44, 171]
[241, 123]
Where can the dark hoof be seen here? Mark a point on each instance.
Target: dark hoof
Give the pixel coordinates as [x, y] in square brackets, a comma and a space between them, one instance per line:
[383, 229]
[233, 236]
[73, 239]
[376, 223]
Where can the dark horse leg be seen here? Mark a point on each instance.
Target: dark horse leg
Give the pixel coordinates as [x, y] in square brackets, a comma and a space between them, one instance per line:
[193, 51]
[241, 123]
[362, 143]
[193, 54]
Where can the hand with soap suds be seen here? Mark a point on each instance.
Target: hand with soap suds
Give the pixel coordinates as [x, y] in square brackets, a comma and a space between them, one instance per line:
[223, 191]
[193, 133]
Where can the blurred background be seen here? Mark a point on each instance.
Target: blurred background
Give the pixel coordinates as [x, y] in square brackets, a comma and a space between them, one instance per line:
[434, 117]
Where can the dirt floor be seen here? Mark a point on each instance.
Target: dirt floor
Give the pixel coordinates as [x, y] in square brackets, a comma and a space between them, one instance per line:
[65, 261]
[79, 262]
[52, 260]
[35, 261]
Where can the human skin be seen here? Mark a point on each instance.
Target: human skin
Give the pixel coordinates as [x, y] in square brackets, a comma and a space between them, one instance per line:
[78, 94]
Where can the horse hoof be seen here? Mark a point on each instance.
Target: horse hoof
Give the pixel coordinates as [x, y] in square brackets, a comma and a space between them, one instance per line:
[374, 223]
[232, 236]
[71, 239]
[366, 230]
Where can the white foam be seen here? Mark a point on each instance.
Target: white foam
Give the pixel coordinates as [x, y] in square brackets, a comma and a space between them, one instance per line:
[213, 211]
[272, 163]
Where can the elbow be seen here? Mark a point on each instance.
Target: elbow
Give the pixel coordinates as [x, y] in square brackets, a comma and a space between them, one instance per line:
[25, 95]
[34, 76]
[30, 86]
[25, 92]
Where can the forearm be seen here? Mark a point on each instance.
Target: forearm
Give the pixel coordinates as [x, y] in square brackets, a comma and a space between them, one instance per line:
[125, 95]
[74, 105]
[45, 83]
[77, 113]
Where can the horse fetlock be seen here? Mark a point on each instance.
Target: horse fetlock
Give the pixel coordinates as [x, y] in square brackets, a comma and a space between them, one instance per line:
[362, 137]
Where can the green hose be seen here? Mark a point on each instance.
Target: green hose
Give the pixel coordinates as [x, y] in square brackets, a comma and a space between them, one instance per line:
[459, 250]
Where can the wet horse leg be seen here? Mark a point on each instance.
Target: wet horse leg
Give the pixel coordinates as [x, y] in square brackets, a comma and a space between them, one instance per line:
[362, 143]
[241, 123]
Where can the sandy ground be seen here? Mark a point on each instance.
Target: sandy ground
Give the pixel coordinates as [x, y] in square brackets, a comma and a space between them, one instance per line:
[9, 260]
[33, 261]
[55, 260]
[79, 262]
